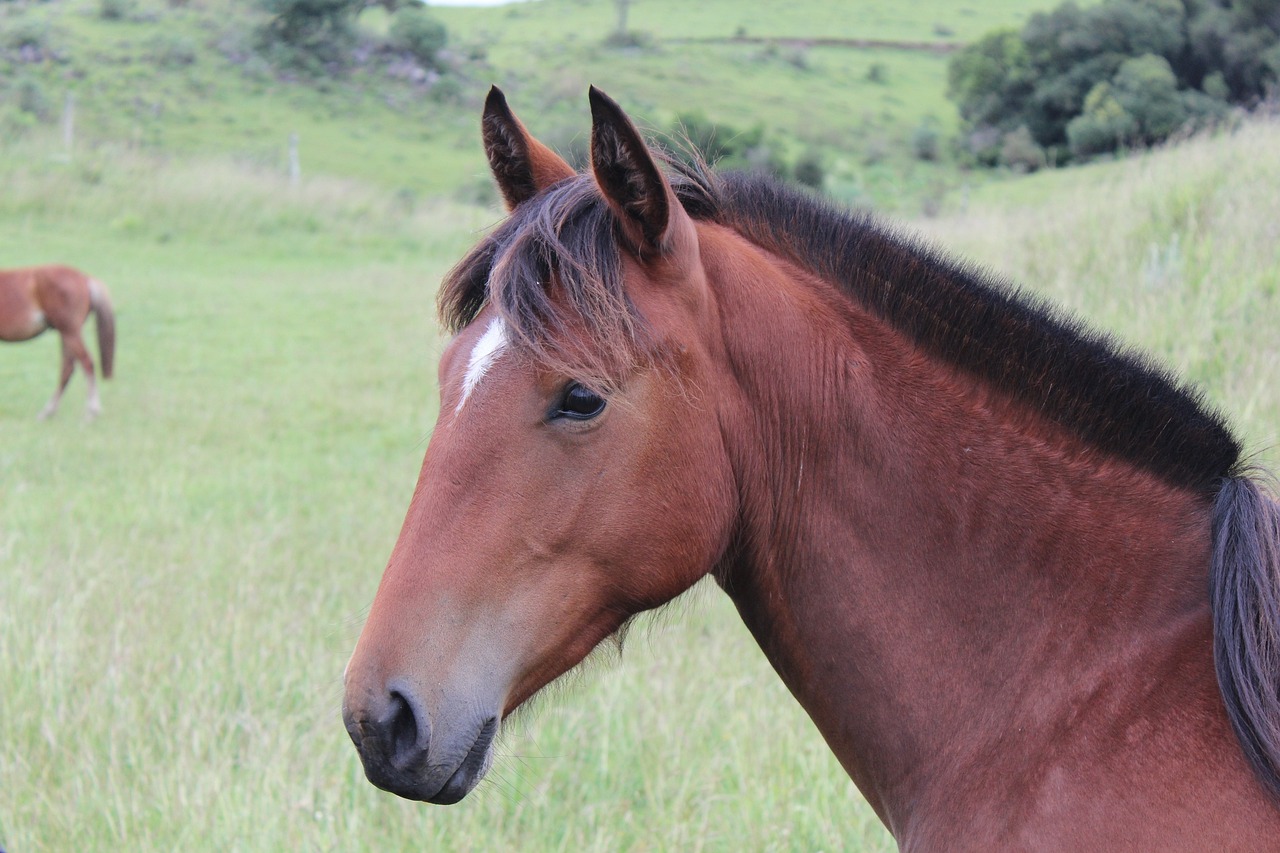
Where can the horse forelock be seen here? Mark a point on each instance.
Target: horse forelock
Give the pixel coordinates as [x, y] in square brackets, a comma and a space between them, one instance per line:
[553, 272]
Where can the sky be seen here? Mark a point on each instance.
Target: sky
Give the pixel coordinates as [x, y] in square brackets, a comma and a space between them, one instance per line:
[472, 2]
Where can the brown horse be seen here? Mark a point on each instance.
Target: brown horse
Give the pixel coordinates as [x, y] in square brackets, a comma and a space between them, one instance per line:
[995, 558]
[58, 297]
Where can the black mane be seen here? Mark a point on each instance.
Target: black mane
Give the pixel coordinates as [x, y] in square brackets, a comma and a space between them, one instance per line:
[1115, 399]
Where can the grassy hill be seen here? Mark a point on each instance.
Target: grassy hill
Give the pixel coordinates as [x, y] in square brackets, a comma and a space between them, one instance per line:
[184, 80]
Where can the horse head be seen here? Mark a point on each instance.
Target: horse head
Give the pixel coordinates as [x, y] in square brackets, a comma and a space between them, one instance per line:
[576, 474]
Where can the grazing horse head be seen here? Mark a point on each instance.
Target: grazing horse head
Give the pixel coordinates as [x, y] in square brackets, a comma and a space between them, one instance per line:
[567, 485]
[1017, 577]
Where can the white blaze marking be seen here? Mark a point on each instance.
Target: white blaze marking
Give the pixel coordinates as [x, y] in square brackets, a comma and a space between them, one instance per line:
[486, 352]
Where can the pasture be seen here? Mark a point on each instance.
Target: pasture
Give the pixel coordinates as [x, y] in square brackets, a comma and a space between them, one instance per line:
[182, 80]
[183, 580]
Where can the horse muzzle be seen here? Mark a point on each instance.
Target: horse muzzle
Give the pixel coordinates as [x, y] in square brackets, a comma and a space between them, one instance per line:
[436, 758]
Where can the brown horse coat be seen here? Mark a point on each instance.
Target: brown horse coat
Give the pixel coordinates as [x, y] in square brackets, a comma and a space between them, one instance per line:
[59, 297]
[1019, 579]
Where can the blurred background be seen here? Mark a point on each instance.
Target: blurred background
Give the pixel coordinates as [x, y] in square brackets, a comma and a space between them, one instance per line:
[272, 190]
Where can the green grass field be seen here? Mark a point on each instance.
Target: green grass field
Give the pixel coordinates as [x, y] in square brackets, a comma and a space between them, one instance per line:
[183, 580]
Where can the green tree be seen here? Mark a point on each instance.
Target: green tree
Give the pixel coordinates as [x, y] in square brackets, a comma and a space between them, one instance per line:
[416, 30]
[809, 169]
[926, 141]
[991, 79]
[724, 146]
[310, 31]
[1019, 152]
[1148, 91]
[1103, 126]
[1163, 63]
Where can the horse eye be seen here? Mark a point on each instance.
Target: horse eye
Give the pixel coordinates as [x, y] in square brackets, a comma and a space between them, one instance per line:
[579, 403]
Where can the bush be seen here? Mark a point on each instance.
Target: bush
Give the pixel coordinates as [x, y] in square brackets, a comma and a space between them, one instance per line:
[1019, 152]
[171, 50]
[27, 33]
[309, 34]
[32, 99]
[926, 141]
[1103, 126]
[415, 30]
[629, 40]
[762, 158]
[115, 10]
[990, 78]
[1215, 86]
[713, 142]
[1148, 91]
[809, 169]
[982, 144]
[724, 146]
[1203, 110]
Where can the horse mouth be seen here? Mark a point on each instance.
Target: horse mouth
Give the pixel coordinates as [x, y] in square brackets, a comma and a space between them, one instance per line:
[471, 770]
[442, 784]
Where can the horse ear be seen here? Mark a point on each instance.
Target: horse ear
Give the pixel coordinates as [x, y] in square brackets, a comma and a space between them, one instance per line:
[521, 165]
[629, 177]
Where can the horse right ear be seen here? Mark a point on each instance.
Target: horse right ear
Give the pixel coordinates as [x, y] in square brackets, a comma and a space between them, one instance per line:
[521, 165]
[632, 182]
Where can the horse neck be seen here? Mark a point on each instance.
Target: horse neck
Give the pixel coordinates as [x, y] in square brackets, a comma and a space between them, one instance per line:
[937, 574]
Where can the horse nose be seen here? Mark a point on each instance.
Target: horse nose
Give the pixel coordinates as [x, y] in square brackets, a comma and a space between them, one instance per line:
[391, 733]
[437, 755]
[405, 730]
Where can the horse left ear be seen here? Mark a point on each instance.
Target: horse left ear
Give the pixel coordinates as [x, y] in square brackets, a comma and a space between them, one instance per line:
[629, 177]
[521, 165]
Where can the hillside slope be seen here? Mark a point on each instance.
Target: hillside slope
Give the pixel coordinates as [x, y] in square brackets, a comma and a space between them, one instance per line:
[184, 80]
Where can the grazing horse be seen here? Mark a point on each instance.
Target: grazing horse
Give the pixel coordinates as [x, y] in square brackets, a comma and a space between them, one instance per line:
[1019, 578]
[58, 297]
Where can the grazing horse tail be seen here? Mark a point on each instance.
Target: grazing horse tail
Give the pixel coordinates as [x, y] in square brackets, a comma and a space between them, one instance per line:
[1245, 596]
[106, 320]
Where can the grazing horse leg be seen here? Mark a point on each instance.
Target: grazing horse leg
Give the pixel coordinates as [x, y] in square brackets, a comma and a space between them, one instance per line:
[73, 350]
[68, 367]
[80, 353]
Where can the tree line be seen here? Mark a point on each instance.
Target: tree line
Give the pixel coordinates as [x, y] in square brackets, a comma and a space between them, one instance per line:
[318, 35]
[1073, 83]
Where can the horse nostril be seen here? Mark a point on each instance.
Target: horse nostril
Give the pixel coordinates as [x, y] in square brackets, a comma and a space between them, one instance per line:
[402, 731]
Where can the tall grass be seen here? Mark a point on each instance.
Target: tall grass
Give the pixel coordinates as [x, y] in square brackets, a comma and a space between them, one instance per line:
[182, 581]
[1174, 251]
[139, 196]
